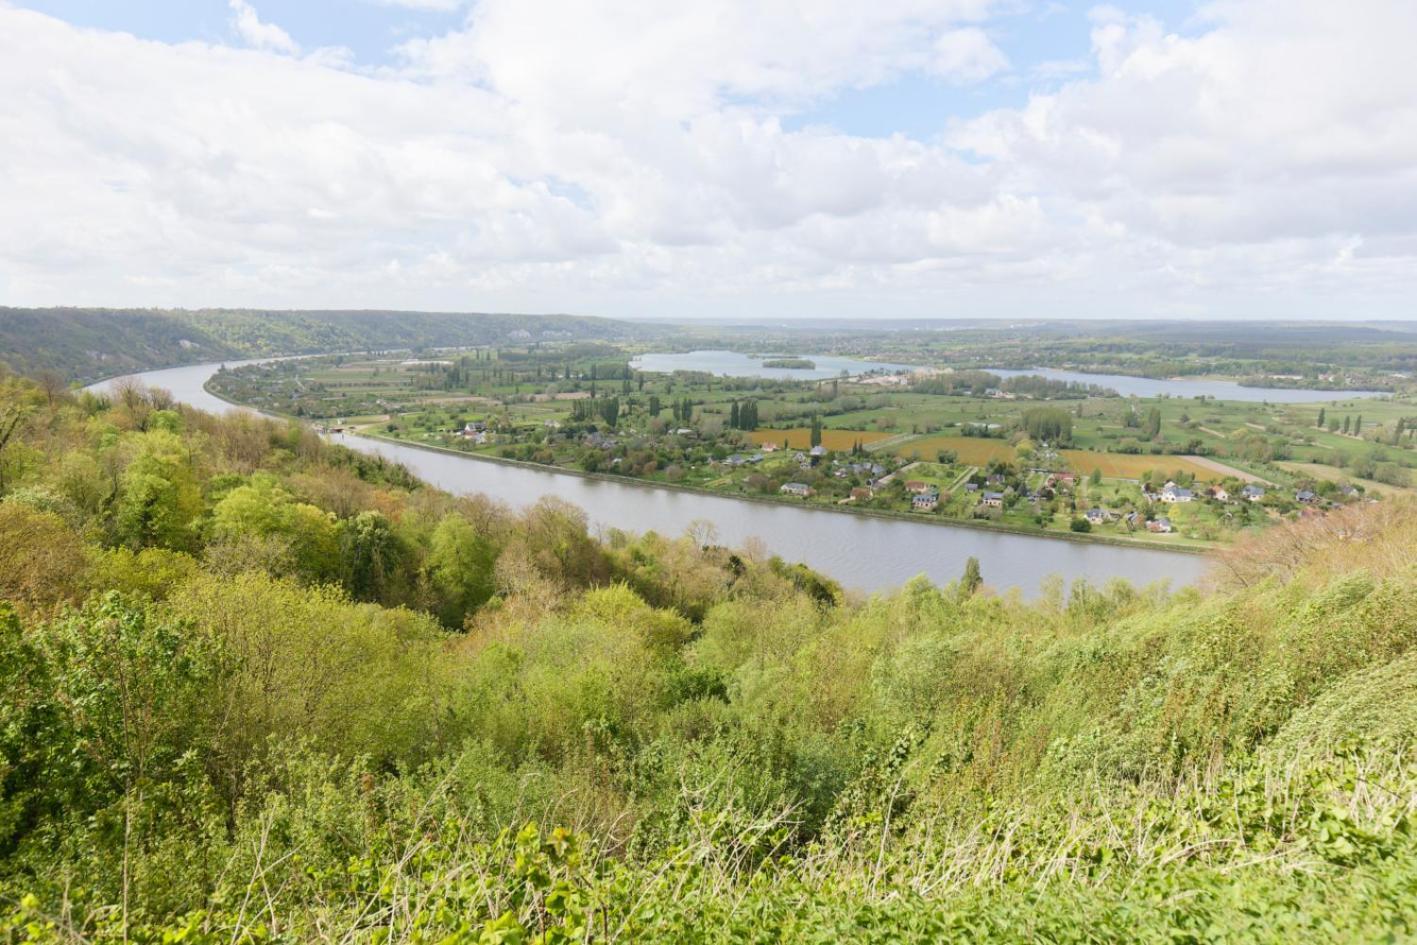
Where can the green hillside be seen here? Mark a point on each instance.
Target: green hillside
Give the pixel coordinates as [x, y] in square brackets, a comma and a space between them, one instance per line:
[89, 344]
[255, 688]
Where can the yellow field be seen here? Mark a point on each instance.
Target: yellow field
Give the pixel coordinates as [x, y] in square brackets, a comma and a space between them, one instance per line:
[800, 438]
[1124, 466]
[976, 451]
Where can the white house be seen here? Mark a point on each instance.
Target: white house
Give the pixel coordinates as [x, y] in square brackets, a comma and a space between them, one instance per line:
[1172, 493]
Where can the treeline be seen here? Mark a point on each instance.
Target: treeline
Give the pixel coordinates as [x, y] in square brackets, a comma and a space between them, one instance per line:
[1033, 386]
[86, 344]
[255, 688]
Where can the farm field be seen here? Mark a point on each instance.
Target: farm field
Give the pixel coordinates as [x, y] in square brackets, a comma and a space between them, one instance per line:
[971, 450]
[1128, 466]
[800, 438]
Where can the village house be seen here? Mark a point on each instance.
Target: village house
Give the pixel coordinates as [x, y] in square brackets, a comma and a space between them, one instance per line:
[1220, 493]
[1172, 493]
[916, 486]
[1252, 492]
[1098, 516]
[818, 451]
[800, 489]
[925, 501]
[861, 493]
[599, 441]
[1160, 526]
[1306, 496]
[994, 500]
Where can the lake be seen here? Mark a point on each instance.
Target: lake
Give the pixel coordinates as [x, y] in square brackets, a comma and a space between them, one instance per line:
[733, 364]
[863, 553]
[1129, 386]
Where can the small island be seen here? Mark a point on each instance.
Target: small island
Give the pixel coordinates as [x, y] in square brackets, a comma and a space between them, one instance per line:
[794, 364]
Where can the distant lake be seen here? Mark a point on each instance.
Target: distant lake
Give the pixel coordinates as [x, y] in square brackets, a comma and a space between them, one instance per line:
[733, 364]
[1129, 386]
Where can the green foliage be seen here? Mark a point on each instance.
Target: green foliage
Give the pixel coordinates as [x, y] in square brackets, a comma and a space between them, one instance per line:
[1053, 425]
[291, 699]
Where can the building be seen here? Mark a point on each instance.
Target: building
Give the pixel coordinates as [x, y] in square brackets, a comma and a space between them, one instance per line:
[1220, 493]
[925, 502]
[917, 487]
[799, 489]
[994, 500]
[1306, 496]
[818, 451]
[1098, 516]
[1160, 526]
[862, 493]
[1252, 493]
[1172, 493]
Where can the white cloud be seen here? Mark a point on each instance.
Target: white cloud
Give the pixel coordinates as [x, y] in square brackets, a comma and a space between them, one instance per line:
[257, 33]
[633, 158]
[968, 55]
[432, 6]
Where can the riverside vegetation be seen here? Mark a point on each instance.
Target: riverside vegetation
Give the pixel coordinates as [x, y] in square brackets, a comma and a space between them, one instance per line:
[255, 688]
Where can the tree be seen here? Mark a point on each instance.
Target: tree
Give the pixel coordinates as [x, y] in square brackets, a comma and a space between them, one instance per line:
[262, 509]
[159, 497]
[610, 410]
[1152, 428]
[972, 579]
[1051, 424]
[1358, 426]
[1346, 426]
[1320, 421]
[816, 432]
[42, 561]
[369, 556]
[461, 565]
[1096, 477]
[734, 417]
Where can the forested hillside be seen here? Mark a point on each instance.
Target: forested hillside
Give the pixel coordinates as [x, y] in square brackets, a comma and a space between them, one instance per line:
[88, 344]
[257, 688]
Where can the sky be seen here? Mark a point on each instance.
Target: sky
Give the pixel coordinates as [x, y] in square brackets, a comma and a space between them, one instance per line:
[740, 159]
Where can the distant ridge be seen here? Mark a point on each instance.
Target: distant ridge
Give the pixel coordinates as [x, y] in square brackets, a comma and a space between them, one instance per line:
[86, 344]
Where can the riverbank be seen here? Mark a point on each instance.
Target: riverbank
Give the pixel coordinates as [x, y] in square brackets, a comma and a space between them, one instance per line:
[887, 514]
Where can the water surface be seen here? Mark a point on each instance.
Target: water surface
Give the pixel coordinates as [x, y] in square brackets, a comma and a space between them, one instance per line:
[733, 364]
[1129, 386]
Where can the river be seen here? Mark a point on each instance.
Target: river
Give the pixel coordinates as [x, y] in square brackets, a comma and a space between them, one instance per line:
[1130, 386]
[864, 553]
